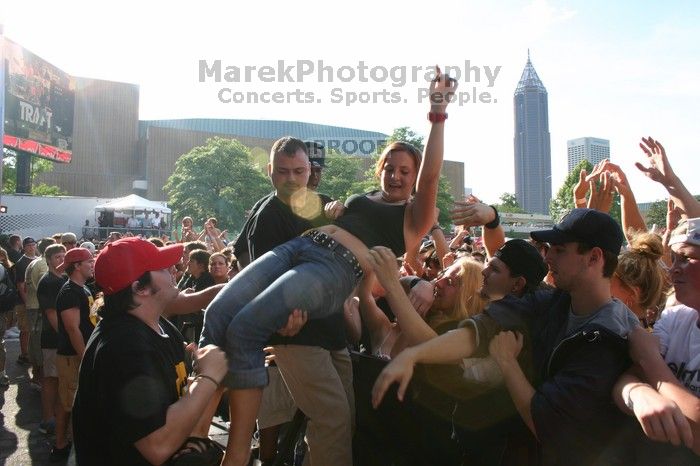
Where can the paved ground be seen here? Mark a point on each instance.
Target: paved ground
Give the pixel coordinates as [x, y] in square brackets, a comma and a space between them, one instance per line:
[20, 441]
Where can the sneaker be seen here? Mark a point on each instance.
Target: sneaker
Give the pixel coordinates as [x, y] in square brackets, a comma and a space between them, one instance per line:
[58, 455]
[4, 380]
[22, 359]
[47, 427]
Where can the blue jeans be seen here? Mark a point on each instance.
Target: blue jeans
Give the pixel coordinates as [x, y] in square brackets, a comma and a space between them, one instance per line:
[296, 275]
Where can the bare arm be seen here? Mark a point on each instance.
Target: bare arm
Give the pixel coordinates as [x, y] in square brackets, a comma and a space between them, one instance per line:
[71, 323]
[644, 351]
[184, 303]
[660, 418]
[353, 322]
[420, 213]
[52, 317]
[375, 320]
[441, 246]
[660, 170]
[444, 349]
[182, 416]
[413, 327]
[504, 348]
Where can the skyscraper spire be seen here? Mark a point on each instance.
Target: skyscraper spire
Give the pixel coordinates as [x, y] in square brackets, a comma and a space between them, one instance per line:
[529, 78]
[533, 167]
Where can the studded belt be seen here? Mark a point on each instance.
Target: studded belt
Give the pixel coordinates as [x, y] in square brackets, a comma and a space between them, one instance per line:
[325, 240]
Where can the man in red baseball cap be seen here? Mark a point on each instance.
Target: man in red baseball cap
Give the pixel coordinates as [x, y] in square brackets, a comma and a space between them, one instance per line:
[73, 305]
[133, 404]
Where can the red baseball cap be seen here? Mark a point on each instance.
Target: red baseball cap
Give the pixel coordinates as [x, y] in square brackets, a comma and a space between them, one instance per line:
[122, 262]
[74, 256]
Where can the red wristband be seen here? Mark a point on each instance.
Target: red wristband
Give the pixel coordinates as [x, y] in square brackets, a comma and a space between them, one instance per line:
[437, 117]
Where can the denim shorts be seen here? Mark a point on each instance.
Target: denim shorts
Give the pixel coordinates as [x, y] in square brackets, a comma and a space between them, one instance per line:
[299, 274]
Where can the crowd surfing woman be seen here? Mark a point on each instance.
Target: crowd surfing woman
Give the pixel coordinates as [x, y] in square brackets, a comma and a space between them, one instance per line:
[317, 271]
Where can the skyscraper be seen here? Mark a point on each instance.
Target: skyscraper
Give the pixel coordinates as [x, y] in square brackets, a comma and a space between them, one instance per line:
[592, 149]
[533, 167]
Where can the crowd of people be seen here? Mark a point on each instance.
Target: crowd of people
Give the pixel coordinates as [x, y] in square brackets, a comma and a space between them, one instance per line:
[580, 345]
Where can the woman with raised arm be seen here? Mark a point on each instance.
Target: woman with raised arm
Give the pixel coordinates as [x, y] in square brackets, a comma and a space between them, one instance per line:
[317, 271]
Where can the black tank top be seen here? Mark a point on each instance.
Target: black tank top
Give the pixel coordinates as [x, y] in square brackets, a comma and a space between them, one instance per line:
[374, 223]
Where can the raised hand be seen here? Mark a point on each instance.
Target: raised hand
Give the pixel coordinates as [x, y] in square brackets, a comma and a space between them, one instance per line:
[602, 192]
[659, 168]
[469, 214]
[442, 91]
[580, 190]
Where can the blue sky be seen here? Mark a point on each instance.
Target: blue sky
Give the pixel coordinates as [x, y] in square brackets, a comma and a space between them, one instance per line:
[613, 70]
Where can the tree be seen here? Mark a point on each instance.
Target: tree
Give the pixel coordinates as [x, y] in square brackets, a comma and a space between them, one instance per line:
[404, 134]
[509, 203]
[657, 213]
[340, 176]
[218, 179]
[39, 166]
[564, 200]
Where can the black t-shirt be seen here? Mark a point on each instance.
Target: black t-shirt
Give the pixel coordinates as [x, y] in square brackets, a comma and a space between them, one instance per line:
[14, 255]
[21, 270]
[203, 282]
[73, 295]
[129, 376]
[275, 223]
[47, 292]
[240, 245]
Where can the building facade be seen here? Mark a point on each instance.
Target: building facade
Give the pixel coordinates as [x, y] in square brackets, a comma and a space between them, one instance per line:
[533, 166]
[592, 149]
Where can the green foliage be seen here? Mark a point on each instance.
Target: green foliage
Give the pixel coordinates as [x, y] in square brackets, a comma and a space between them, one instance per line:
[404, 134]
[340, 176]
[42, 189]
[219, 180]
[657, 213]
[39, 166]
[445, 202]
[509, 203]
[564, 200]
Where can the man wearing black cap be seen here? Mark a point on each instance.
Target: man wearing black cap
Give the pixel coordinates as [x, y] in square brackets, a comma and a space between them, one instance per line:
[317, 158]
[516, 268]
[576, 334]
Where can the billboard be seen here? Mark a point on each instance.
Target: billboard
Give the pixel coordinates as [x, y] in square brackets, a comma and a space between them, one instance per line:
[39, 105]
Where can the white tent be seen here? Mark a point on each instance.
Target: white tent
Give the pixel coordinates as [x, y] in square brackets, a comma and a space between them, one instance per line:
[132, 203]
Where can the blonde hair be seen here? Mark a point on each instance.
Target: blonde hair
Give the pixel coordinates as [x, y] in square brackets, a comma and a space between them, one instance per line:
[469, 301]
[640, 266]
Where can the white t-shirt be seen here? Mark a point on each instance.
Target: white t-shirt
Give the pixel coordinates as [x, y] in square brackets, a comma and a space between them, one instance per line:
[679, 335]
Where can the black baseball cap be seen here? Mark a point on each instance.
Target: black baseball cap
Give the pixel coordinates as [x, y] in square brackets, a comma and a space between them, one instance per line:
[589, 226]
[317, 153]
[28, 240]
[523, 259]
